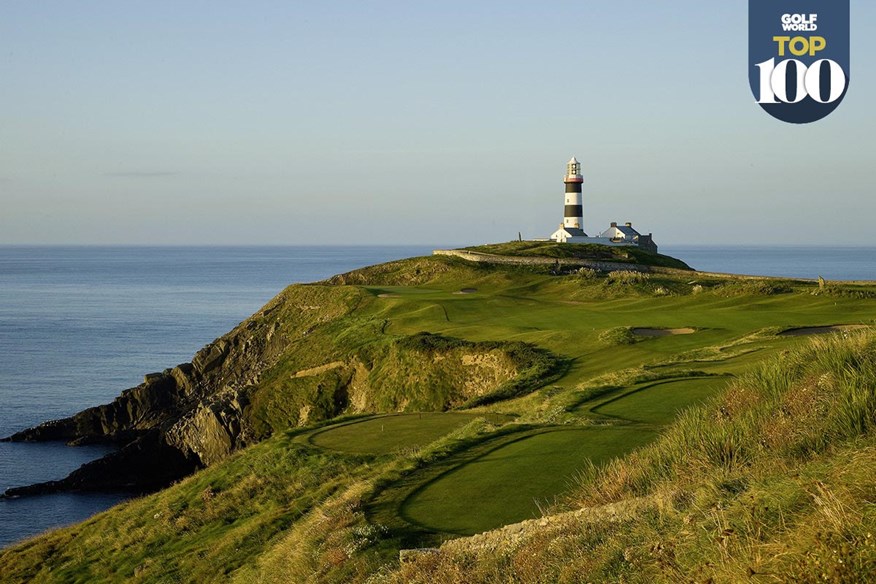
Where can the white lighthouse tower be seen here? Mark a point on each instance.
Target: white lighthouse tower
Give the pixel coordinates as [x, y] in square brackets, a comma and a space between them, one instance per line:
[574, 211]
[572, 227]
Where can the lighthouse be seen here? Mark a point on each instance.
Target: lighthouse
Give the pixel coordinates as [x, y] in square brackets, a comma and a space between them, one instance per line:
[574, 211]
[572, 228]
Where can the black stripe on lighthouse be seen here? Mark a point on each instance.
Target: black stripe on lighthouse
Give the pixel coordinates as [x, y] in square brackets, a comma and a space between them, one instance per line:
[574, 211]
[573, 187]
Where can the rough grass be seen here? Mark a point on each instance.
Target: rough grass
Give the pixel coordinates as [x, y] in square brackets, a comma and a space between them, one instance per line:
[201, 530]
[376, 372]
[389, 434]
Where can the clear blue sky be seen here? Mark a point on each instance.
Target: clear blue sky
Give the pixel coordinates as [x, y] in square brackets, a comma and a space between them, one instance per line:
[412, 122]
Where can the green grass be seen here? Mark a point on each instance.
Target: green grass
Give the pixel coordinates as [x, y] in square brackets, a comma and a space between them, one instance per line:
[511, 482]
[660, 402]
[362, 369]
[388, 434]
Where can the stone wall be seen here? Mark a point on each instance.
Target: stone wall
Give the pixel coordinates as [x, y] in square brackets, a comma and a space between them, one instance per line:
[602, 266]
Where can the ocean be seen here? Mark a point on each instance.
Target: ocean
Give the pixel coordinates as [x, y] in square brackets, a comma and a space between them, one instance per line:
[829, 262]
[80, 324]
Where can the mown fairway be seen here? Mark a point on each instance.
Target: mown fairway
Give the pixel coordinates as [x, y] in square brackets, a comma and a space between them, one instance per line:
[387, 434]
[649, 380]
[660, 402]
[510, 483]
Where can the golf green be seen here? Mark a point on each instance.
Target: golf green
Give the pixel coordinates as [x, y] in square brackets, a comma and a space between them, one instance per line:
[659, 403]
[387, 434]
[509, 483]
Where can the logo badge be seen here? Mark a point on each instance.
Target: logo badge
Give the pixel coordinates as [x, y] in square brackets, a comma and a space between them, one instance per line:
[798, 57]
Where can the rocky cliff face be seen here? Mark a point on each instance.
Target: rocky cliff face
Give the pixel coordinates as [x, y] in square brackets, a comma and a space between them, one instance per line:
[191, 415]
[420, 372]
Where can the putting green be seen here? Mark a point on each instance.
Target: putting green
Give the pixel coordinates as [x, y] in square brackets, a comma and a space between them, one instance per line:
[507, 484]
[386, 434]
[659, 403]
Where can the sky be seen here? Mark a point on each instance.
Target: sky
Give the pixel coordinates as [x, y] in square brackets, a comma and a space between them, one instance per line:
[157, 122]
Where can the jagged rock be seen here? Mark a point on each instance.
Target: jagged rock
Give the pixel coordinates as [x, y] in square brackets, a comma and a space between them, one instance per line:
[212, 430]
[134, 411]
[206, 361]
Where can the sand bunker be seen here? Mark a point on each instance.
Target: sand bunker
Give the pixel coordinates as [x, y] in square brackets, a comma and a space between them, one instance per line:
[820, 330]
[467, 291]
[655, 332]
[387, 295]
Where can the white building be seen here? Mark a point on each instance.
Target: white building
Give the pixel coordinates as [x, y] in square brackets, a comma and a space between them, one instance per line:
[626, 235]
[570, 235]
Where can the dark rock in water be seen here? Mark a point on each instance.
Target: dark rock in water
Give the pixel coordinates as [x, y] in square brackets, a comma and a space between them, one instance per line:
[144, 465]
[174, 422]
[134, 411]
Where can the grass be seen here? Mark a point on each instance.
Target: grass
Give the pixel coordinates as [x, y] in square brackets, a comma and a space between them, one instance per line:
[660, 402]
[359, 368]
[514, 481]
[779, 447]
[200, 530]
[388, 434]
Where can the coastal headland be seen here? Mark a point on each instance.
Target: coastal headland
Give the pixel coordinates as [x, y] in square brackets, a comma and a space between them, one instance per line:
[487, 411]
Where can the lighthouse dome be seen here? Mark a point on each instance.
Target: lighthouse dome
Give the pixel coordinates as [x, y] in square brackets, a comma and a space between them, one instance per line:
[573, 169]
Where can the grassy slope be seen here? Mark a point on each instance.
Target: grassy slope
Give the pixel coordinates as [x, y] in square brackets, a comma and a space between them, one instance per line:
[388, 434]
[288, 509]
[196, 531]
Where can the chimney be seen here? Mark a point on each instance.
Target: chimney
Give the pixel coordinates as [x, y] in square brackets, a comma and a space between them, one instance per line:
[613, 224]
[628, 224]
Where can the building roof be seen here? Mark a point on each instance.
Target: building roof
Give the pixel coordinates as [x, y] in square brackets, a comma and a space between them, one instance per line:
[574, 232]
[627, 230]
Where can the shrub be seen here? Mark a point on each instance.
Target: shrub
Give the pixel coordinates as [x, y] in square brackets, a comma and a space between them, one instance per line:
[628, 277]
[586, 274]
[621, 335]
